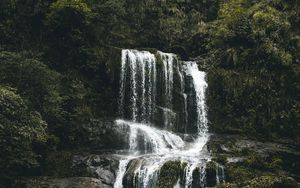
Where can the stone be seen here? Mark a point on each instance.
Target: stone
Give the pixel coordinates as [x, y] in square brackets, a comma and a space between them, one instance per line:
[211, 173]
[129, 177]
[103, 167]
[74, 182]
[103, 134]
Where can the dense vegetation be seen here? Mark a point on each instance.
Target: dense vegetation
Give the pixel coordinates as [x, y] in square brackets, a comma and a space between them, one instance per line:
[57, 66]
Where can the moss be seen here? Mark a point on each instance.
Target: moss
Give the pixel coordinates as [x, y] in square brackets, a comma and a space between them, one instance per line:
[159, 60]
[246, 151]
[275, 163]
[211, 172]
[239, 174]
[227, 185]
[272, 181]
[222, 159]
[183, 165]
[169, 174]
[256, 161]
[196, 177]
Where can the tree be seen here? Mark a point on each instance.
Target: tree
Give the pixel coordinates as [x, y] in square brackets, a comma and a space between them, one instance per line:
[69, 34]
[20, 128]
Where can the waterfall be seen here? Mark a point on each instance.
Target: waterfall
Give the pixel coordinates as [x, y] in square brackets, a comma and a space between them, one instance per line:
[200, 85]
[138, 75]
[220, 174]
[168, 71]
[147, 91]
[152, 140]
[122, 169]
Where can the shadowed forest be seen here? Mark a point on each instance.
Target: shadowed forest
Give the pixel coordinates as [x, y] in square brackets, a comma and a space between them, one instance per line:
[60, 78]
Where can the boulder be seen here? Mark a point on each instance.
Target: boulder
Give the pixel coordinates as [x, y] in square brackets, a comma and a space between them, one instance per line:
[103, 167]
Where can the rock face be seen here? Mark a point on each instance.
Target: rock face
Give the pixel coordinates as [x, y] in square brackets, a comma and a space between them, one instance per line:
[211, 173]
[102, 134]
[129, 177]
[102, 167]
[248, 162]
[74, 182]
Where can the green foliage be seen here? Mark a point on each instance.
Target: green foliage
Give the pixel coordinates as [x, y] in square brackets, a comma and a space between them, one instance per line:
[254, 35]
[21, 24]
[69, 34]
[59, 99]
[60, 164]
[58, 56]
[35, 81]
[20, 128]
[251, 103]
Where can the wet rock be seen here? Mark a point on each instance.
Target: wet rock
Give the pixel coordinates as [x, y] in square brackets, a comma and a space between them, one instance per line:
[196, 178]
[192, 104]
[165, 118]
[211, 173]
[129, 177]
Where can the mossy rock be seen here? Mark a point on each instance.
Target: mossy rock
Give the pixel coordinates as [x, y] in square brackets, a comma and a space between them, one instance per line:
[238, 174]
[211, 172]
[169, 174]
[49, 182]
[227, 185]
[272, 182]
[256, 161]
[221, 159]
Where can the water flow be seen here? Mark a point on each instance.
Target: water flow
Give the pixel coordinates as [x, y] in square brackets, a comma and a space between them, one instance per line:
[137, 78]
[149, 139]
[168, 71]
[220, 174]
[152, 146]
[120, 174]
[200, 86]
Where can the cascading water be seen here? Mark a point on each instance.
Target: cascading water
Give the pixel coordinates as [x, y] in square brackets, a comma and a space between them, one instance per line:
[138, 73]
[200, 85]
[168, 60]
[146, 89]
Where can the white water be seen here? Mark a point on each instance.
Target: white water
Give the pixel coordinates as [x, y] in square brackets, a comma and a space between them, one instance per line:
[200, 86]
[138, 73]
[220, 174]
[156, 141]
[154, 146]
[168, 61]
[122, 169]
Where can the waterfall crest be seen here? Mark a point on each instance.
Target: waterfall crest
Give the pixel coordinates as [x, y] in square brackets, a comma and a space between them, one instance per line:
[156, 92]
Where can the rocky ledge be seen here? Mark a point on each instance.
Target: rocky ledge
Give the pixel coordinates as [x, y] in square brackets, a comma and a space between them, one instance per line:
[256, 164]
